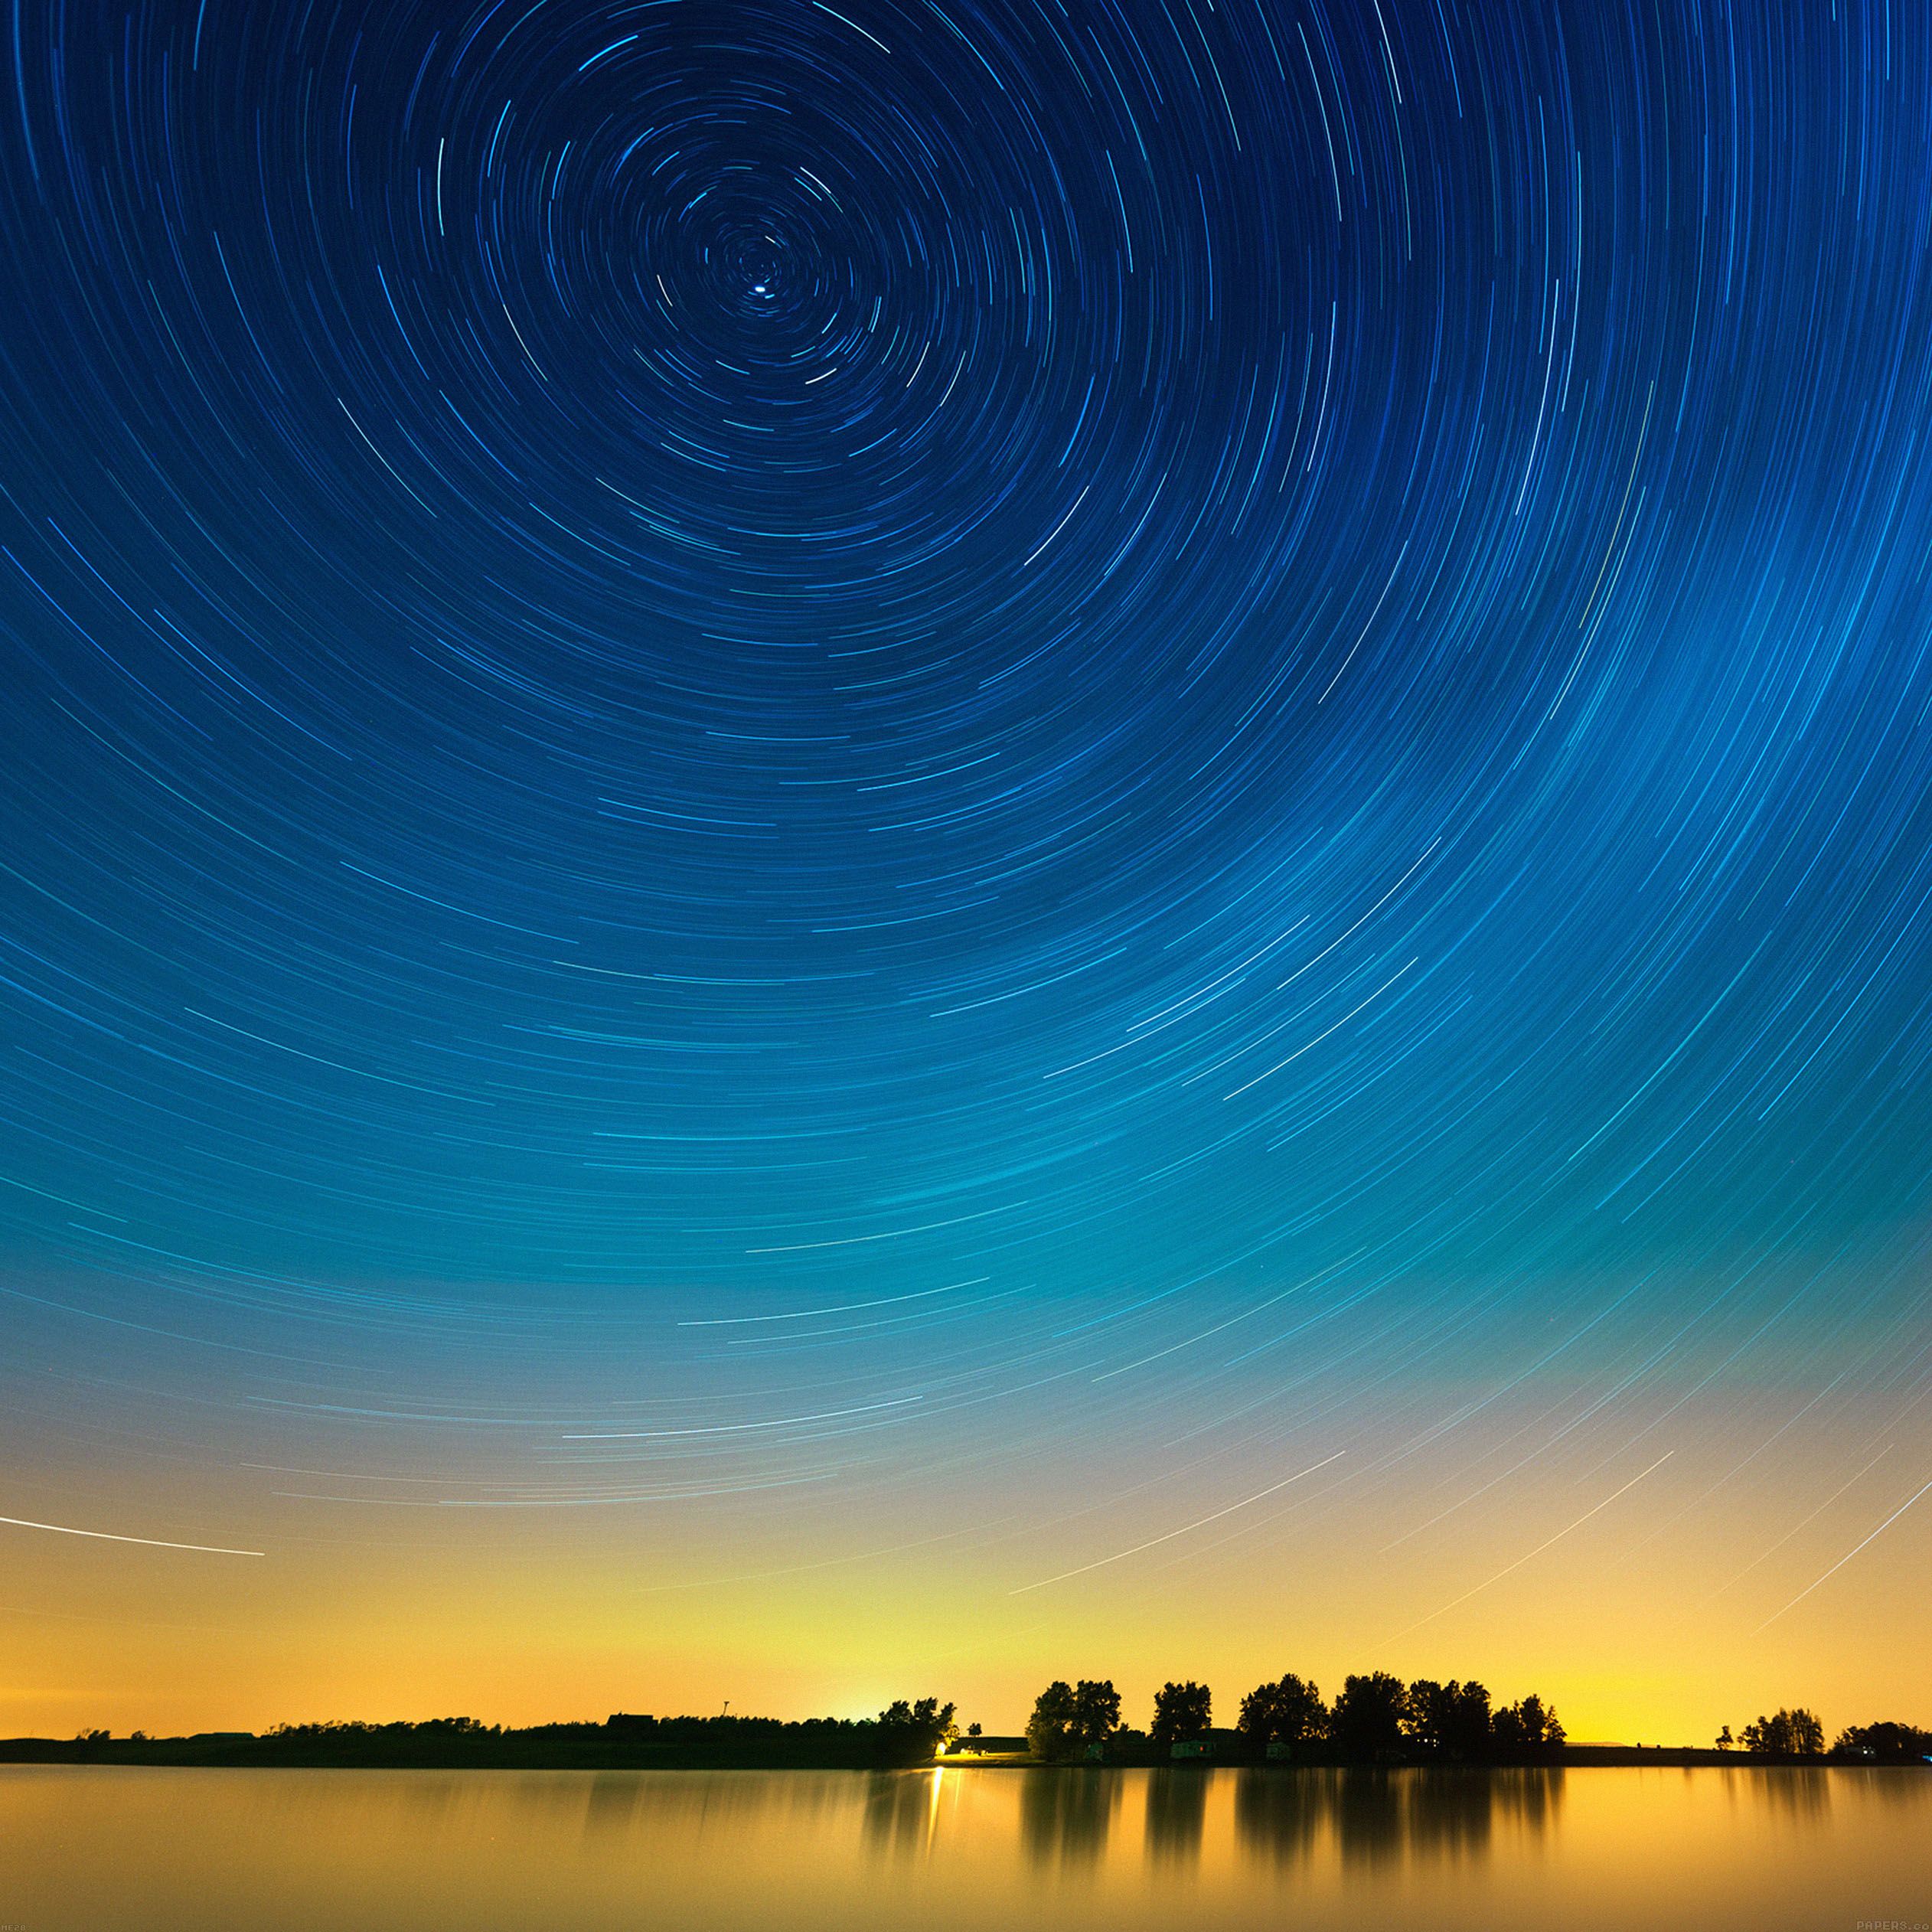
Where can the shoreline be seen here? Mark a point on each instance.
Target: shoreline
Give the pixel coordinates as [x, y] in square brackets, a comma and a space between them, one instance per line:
[185, 1754]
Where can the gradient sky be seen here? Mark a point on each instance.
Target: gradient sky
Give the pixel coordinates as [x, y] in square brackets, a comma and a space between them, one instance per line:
[850, 852]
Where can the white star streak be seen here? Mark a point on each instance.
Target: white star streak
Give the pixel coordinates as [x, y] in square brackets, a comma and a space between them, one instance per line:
[1847, 1557]
[1200, 1522]
[1475, 1589]
[149, 1542]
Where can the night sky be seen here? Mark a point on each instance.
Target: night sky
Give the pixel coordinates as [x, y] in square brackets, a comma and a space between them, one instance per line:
[844, 852]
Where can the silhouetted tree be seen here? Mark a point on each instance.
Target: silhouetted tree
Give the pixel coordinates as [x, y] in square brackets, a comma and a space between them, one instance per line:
[1786, 1734]
[1883, 1743]
[1468, 1720]
[1067, 1721]
[1425, 1713]
[1182, 1713]
[1096, 1711]
[1368, 1714]
[1452, 1719]
[975, 1730]
[1049, 1731]
[1287, 1712]
[1541, 1725]
[937, 1718]
[1528, 1726]
[912, 1733]
[1724, 1740]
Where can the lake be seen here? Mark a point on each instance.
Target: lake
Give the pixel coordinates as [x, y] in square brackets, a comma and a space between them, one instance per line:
[81, 1850]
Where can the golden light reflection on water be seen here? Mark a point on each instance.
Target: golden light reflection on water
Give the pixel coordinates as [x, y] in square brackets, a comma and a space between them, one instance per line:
[179, 1851]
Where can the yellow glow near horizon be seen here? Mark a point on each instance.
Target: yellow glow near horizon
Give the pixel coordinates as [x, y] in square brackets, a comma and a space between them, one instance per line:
[1645, 1627]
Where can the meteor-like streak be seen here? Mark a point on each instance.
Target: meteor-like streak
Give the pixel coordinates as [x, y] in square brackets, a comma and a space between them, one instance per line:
[1537, 1551]
[1801, 1523]
[1846, 1557]
[149, 1542]
[1200, 1522]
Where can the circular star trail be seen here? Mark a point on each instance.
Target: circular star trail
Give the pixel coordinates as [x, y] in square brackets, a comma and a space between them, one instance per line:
[734, 727]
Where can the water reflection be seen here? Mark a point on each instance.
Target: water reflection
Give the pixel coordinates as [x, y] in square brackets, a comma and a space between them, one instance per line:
[901, 1811]
[1177, 1816]
[1376, 1817]
[1734, 1849]
[1803, 1794]
[1065, 1816]
[1367, 1809]
[1529, 1799]
[1279, 1813]
[611, 1804]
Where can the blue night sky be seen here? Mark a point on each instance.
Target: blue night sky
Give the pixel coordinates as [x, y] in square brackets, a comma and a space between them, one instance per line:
[782, 784]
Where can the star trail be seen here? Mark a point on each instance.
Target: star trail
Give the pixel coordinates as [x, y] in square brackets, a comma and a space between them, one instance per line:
[809, 812]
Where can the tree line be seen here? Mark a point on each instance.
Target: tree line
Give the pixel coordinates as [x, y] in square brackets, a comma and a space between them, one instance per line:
[1797, 1733]
[1375, 1717]
[906, 1732]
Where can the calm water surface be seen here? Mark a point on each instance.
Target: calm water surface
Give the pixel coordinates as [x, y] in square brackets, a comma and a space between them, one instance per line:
[154, 1851]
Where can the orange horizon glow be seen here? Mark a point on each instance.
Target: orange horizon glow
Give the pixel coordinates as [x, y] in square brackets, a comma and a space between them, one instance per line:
[1646, 1623]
